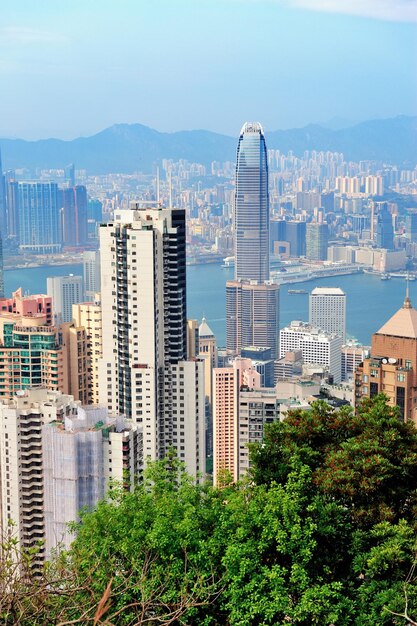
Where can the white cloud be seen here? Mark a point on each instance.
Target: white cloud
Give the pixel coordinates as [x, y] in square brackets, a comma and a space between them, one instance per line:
[23, 35]
[390, 10]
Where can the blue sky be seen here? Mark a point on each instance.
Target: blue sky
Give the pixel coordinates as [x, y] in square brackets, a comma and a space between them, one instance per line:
[74, 67]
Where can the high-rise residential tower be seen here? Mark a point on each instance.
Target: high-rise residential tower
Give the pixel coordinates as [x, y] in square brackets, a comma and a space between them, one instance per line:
[327, 310]
[144, 373]
[252, 205]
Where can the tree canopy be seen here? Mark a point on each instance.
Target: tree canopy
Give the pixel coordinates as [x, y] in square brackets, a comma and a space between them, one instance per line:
[322, 532]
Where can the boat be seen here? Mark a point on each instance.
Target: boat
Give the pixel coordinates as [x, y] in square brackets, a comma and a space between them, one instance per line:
[229, 261]
[385, 277]
[296, 291]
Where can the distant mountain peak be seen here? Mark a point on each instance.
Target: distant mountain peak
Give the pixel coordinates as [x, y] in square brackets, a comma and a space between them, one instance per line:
[134, 147]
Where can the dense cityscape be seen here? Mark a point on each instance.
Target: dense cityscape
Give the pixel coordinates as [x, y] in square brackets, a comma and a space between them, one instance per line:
[208, 344]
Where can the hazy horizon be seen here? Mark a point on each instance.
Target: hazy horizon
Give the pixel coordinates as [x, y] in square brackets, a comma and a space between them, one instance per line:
[73, 69]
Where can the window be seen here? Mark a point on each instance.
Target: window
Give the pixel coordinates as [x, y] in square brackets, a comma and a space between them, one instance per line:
[401, 378]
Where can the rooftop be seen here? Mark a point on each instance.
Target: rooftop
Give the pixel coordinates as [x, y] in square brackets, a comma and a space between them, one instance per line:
[403, 323]
[327, 291]
[204, 329]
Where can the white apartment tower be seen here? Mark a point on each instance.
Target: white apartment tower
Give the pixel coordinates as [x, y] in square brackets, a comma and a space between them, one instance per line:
[327, 310]
[144, 373]
[317, 347]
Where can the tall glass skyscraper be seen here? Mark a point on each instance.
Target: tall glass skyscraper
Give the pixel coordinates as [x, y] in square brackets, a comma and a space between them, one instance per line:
[252, 300]
[252, 205]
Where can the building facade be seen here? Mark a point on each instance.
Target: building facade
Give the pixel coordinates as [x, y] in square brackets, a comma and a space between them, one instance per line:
[57, 458]
[392, 366]
[251, 205]
[252, 316]
[144, 326]
[317, 347]
[327, 310]
[64, 291]
[39, 218]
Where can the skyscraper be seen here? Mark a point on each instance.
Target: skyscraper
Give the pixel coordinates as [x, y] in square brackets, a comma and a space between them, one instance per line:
[251, 205]
[384, 227]
[64, 291]
[317, 240]
[73, 202]
[39, 230]
[144, 373]
[327, 310]
[251, 299]
[252, 316]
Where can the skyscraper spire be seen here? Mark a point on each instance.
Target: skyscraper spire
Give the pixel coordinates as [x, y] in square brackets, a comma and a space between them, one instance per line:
[407, 302]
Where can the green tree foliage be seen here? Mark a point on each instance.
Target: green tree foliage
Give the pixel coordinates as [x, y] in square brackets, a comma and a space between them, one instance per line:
[366, 461]
[289, 545]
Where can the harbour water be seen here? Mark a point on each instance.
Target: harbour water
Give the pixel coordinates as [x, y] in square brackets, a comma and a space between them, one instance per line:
[370, 301]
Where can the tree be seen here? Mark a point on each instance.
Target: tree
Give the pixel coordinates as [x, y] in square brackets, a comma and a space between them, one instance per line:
[366, 460]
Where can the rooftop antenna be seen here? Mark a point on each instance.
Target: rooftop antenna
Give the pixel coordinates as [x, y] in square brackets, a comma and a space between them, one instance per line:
[407, 301]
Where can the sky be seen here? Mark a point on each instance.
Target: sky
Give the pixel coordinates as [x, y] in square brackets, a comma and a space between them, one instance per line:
[70, 68]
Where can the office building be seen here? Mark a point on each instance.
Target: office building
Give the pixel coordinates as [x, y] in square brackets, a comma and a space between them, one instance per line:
[144, 373]
[252, 302]
[295, 234]
[262, 362]
[317, 347]
[288, 366]
[384, 227]
[91, 274]
[252, 316]
[392, 366]
[56, 459]
[317, 241]
[39, 218]
[327, 310]
[411, 225]
[73, 202]
[69, 173]
[352, 357]
[277, 235]
[87, 315]
[251, 207]
[12, 205]
[64, 291]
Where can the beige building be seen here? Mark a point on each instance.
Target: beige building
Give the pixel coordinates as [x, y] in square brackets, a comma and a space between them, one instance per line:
[392, 366]
[88, 316]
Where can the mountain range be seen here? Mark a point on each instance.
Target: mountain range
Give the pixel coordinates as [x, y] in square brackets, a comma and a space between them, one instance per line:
[133, 147]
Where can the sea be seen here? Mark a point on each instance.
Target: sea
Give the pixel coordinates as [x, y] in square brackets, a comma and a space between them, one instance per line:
[370, 301]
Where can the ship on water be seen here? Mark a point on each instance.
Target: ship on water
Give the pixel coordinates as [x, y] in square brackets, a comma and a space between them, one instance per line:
[297, 291]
